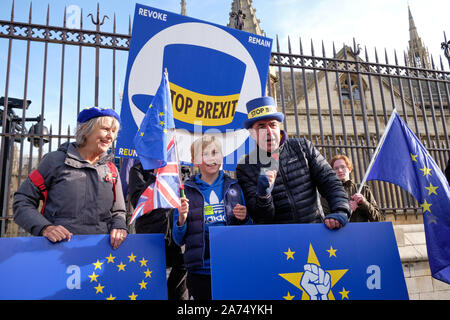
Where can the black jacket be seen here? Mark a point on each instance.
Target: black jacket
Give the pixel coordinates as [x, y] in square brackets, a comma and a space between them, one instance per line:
[302, 171]
[159, 220]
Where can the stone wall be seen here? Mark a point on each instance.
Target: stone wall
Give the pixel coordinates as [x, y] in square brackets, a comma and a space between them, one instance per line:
[413, 254]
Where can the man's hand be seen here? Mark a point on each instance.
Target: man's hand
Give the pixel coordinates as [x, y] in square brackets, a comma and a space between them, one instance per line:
[332, 224]
[265, 183]
[336, 220]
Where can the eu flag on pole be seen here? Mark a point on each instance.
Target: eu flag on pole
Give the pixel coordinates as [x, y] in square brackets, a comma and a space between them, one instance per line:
[165, 191]
[404, 161]
[152, 137]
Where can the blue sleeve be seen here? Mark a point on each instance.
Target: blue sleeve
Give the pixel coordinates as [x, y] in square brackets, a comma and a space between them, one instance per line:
[178, 232]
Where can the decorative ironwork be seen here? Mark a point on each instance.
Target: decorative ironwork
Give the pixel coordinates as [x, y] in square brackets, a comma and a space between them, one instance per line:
[366, 68]
[61, 35]
[446, 47]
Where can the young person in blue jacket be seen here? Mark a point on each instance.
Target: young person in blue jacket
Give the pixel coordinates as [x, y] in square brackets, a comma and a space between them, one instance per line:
[212, 199]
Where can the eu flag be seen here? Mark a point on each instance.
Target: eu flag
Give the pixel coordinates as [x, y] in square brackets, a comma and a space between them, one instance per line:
[165, 191]
[404, 161]
[152, 137]
[84, 268]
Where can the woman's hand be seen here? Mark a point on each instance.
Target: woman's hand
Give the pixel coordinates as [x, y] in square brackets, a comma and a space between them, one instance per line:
[117, 236]
[356, 200]
[56, 233]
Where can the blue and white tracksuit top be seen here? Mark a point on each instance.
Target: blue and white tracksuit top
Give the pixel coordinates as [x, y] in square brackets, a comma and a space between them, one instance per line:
[209, 205]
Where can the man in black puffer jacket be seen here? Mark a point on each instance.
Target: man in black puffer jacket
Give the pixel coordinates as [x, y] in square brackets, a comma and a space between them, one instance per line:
[281, 177]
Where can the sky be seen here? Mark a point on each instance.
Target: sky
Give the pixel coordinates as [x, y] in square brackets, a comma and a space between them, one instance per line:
[382, 24]
[373, 23]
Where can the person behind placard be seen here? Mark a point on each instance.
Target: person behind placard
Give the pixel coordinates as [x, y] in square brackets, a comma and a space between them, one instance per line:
[159, 220]
[82, 185]
[212, 199]
[363, 205]
[281, 176]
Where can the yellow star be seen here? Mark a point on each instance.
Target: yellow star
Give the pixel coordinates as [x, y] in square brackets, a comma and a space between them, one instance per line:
[289, 254]
[110, 258]
[161, 123]
[132, 257]
[98, 265]
[99, 288]
[150, 106]
[161, 114]
[148, 273]
[142, 134]
[165, 130]
[143, 284]
[93, 277]
[413, 157]
[426, 171]
[288, 297]
[133, 296]
[111, 297]
[431, 189]
[295, 277]
[425, 206]
[344, 293]
[143, 262]
[332, 252]
[121, 266]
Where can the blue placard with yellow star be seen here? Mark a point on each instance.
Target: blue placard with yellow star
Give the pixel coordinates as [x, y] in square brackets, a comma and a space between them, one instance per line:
[84, 268]
[306, 262]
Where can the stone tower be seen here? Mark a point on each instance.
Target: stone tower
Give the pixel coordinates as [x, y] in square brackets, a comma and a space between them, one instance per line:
[417, 53]
[251, 23]
[183, 7]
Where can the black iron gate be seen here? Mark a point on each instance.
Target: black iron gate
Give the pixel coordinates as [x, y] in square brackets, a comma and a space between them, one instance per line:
[341, 103]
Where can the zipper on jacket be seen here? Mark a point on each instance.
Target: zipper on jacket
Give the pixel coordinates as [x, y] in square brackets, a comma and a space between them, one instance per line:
[195, 187]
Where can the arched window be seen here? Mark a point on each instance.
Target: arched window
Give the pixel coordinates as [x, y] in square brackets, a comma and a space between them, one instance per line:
[349, 89]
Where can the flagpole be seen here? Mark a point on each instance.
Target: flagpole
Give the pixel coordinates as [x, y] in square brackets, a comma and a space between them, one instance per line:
[176, 146]
[178, 163]
[383, 137]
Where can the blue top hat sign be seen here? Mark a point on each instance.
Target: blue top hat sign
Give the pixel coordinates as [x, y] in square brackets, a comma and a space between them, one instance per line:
[213, 72]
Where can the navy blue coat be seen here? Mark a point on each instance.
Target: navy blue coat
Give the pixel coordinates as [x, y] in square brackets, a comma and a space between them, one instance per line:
[197, 250]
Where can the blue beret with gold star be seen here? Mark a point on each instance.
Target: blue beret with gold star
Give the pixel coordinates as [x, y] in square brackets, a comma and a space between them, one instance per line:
[94, 112]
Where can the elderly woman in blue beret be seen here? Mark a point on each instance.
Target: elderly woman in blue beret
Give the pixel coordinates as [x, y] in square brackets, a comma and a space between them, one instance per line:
[79, 185]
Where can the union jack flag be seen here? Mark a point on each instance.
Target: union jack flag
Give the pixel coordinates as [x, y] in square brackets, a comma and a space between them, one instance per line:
[165, 191]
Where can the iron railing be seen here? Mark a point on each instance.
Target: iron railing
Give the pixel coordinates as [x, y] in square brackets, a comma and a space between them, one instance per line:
[341, 103]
